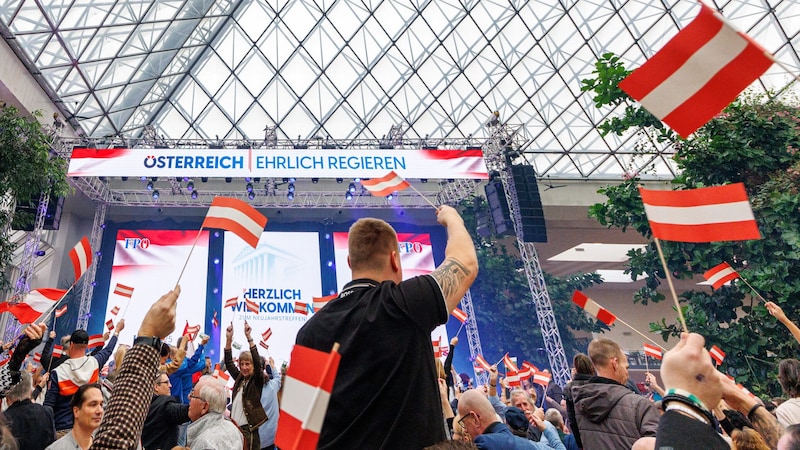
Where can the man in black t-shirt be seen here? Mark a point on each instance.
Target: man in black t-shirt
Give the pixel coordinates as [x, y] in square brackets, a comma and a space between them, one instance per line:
[386, 394]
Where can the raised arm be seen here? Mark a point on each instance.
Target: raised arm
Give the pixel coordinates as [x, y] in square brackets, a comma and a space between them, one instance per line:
[777, 312]
[460, 267]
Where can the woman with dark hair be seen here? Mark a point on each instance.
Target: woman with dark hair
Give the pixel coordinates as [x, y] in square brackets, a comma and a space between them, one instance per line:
[788, 412]
[582, 371]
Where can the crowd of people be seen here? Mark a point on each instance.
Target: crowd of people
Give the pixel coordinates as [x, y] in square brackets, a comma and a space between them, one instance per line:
[157, 396]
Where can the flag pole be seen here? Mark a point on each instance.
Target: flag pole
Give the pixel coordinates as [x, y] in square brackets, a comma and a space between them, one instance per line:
[125, 311]
[197, 238]
[423, 197]
[752, 288]
[640, 333]
[669, 281]
[460, 328]
[646, 365]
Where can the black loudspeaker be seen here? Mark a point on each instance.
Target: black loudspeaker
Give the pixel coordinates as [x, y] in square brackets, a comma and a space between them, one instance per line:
[498, 206]
[530, 204]
[28, 208]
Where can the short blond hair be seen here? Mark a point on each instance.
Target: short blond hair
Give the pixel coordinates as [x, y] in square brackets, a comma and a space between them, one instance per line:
[602, 351]
[369, 241]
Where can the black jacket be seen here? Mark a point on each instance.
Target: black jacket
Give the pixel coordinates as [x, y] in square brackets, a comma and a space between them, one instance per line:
[31, 424]
[160, 429]
[251, 397]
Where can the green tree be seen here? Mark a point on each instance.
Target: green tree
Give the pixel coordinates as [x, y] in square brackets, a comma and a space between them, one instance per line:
[753, 141]
[28, 166]
[504, 310]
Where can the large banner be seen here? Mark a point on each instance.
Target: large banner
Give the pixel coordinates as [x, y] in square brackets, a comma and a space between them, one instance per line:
[146, 265]
[228, 162]
[416, 258]
[280, 274]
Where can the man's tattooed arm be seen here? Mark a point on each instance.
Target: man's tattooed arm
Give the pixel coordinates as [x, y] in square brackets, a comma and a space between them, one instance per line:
[451, 275]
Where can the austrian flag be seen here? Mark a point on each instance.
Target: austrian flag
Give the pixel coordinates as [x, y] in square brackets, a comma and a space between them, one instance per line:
[509, 363]
[115, 310]
[81, 257]
[712, 214]
[301, 308]
[460, 315]
[652, 351]
[306, 393]
[720, 274]
[590, 306]
[61, 311]
[237, 217]
[251, 306]
[717, 354]
[319, 302]
[231, 302]
[110, 324]
[95, 340]
[385, 185]
[541, 378]
[125, 291]
[36, 303]
[482, 363]
[266, 335]
[698, 73]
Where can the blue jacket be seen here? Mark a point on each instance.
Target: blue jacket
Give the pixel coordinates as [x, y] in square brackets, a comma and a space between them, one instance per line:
[498, 436]
[181, 379]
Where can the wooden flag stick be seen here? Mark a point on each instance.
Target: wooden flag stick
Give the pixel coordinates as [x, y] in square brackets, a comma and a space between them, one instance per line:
[752, 288]
[423, 197]
[197, 238]
[671, 287]
[641, 334]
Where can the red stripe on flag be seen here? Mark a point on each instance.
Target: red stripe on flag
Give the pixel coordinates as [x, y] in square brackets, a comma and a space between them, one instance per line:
[251, 306]
[509, 363]
[300, 308]
[385, 185]
[717, 354]
[460, 315]
[482, 363]
[125, 291]
[652, 351]
[231, 302]
[95, 340]
[593, 308]
[61, 311]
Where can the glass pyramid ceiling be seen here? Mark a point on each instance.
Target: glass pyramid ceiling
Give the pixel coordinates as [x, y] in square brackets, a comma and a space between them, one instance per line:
[205, 69]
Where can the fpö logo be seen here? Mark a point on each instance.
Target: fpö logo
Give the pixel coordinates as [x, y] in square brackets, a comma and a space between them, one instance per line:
[410, 247]
[137, 243]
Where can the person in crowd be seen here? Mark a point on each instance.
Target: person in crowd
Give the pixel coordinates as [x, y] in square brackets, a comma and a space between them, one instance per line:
[459, 433]
[747, 439]
[377, 310]
[77, 370]
[39, 379]
[7, 440]
[441, 378]
[246, 409]
[553, 390]
[10, 372]
[607, 413]
[48, 361]
[777, 312]
[107, 383]
[210, 428]
[791, 439]
[172, 357]
[87, 411]
[554, 417]
[656, 392]
[480, 420]
[521, 399]
[788, 412]
[269, 400]
[166, 413]
[31, 423]
[448, 369]
[181, 379]
[582, 372]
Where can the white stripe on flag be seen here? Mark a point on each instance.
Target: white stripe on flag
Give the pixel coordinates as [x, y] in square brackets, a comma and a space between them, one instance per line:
[229, 212]
[695, 73]
[303, 407]
[390, 184]
[700, 215]
[721, 274]
[592, 307]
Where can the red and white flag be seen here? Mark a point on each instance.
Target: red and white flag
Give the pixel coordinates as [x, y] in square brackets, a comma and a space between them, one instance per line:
[61, 311]
[385, 185]
[437, 349]
[37, 357]
[319, 302]
[221, 374]
[529, 368]
[698, 73]
[214, 320]
[512, 378]
[542, 378]
[652, 351]
[125, 291]
[58, 351]
[231, 302]
[717, 354]
[525, 372]
[590, 306]
[266, 335]
[264, 345]
[460, 315]
[114, 310]
[36, 303]
[95, 340]
[251, 306]
[110, 324]
[300, 308]
[482, 363]
[712, 214]
[237, 217]
[306, 393]
[720, 274]
[510, 364]
[81, 257]
[191, 331]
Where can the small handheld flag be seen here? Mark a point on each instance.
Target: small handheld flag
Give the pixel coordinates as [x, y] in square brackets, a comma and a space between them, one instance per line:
[214, 321]
[231, 302]
[110, 324]
[266, 335]
[95, 340]
[717, 354]
[300, 308]
[124, 291]
[251, 306]
[236, 216]
[591, 307]
[509, 363]
[114, 310]
[319, 302]
[81, 257]
[385, 185]
[652, 351]
[541, 378]
[482, 363]
[720, 274]
[460, 315]
[61, 311]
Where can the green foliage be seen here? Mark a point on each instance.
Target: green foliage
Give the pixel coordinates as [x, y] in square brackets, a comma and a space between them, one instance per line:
[754, 141]
[27, 168]
[504, 309]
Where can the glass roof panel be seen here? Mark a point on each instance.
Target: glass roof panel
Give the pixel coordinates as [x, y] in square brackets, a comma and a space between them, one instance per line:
[352, 69]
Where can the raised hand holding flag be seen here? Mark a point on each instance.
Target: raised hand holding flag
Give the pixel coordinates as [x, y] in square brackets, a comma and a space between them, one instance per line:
[652, 351]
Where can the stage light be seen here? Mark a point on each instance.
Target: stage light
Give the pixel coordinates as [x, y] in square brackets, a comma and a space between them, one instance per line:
[352, 188]
[290, 188]
[149, 185]
[348, 195]
[339, 180]
[424, 180]
[249, 187]
[154, 179]
[247, 179]
[155, 194]
[357, 180]
[185, 179]
[251, 195]
[390, 196]
[103, 226]
[315, 180]
[330, 263]
[290, 195]
[178, 179]
[40, 253]
[143, 178]
[98, 253]
[124, 178]
[204, 179]
[190, 186]
[194, 195]
[216, 261]
[292, 179]
[228, 179]
[93, 283]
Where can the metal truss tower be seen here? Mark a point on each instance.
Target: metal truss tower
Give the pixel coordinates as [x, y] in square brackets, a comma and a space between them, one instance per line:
[88, 278]
[501, 149]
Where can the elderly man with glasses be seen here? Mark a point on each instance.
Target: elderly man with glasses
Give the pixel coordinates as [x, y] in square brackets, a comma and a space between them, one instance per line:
[166, 413]
[210, 428]
[479, 419]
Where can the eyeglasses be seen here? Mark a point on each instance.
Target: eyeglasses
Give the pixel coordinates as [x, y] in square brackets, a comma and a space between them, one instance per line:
[461, 420]
[198, 398]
